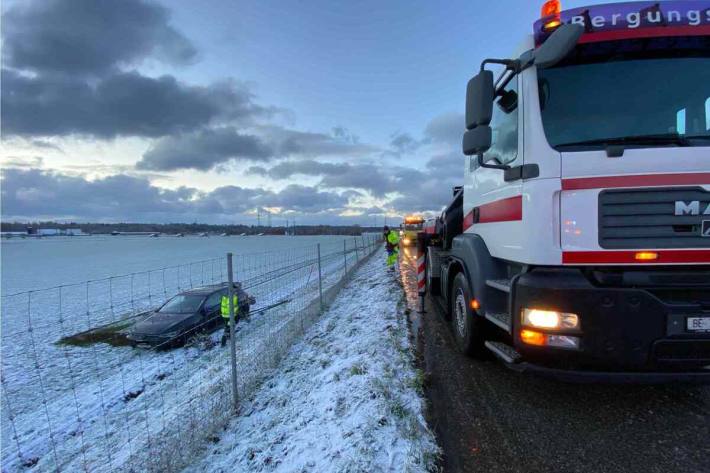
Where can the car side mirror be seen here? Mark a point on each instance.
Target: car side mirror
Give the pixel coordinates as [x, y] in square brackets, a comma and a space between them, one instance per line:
[478, 140]
[558, 45]
[480, 93]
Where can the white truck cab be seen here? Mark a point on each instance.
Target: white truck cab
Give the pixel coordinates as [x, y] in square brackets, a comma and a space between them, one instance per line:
[583, 248]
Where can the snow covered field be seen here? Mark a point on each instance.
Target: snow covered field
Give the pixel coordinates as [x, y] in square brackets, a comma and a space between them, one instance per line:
[106, 408]
[346, 398]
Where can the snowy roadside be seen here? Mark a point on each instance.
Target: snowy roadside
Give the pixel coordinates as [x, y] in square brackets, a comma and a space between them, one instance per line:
[346, 398]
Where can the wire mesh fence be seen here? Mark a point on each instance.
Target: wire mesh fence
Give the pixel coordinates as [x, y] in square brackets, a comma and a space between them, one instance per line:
[77, 395]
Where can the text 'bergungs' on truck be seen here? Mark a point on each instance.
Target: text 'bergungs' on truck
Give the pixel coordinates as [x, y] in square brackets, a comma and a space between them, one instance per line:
[579, 247]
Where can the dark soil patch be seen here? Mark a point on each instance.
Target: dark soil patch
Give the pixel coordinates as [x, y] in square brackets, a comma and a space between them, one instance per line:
[113, 335]
[130, 395]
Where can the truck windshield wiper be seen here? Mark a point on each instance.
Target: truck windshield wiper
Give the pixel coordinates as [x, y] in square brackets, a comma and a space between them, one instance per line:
[668, 138]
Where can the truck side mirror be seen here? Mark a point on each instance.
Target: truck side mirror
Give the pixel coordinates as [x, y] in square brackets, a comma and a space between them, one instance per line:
[558, 45]
[478, 140]
[480, 93]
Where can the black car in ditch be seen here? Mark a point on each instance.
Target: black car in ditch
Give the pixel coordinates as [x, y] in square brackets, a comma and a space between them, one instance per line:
[186, 314]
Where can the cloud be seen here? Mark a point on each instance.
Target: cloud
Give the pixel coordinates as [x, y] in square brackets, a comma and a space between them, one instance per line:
[289, 142]
[22, 162]
[403, 143]
[90, 37]
[37, 194]
[209, 148]
[335, 175]
[446, 128]
[306, 167]
[203, 150]
[420, 190]
[124, 104]
[69, 69]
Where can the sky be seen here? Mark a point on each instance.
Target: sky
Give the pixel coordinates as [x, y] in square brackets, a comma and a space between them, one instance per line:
[213, 111]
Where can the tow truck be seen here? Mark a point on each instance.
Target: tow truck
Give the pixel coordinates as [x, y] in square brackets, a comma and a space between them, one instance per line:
[411, 226]
[579, 245]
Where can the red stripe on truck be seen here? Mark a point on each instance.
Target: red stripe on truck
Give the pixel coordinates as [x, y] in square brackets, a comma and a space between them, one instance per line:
[638, 180]
[504, 210]
[629, 257]
[657, 32]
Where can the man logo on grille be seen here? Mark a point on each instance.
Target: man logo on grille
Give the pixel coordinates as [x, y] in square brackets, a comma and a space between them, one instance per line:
[691, 208]
[705, 230]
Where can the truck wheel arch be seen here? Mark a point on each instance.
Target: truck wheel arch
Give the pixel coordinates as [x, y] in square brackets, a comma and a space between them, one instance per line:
[470, 253]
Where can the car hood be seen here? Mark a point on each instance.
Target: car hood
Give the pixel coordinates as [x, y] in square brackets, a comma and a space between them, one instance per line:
[158, 323]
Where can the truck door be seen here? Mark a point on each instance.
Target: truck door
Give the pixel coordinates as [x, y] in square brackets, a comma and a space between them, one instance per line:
[493, 207]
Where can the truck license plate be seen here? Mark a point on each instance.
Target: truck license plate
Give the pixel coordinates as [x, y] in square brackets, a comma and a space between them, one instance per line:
[698, 324]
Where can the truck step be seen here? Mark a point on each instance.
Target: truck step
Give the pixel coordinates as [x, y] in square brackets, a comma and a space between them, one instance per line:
[502, 320]
[503, 351]
[500, 284]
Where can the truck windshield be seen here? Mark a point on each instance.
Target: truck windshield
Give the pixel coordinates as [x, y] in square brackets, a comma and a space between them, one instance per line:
[640, 102]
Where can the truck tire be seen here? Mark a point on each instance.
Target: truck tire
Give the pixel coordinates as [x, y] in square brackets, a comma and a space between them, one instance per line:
[467, 325]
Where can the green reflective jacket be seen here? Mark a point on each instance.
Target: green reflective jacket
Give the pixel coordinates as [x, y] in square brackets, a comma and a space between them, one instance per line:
[225, 306]
[393, 238]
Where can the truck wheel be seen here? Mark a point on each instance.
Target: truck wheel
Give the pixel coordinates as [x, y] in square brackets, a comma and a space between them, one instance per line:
[467, 326]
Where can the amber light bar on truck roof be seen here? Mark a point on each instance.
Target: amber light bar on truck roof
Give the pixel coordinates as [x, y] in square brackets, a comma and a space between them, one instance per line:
[627, 20]
[413, 220]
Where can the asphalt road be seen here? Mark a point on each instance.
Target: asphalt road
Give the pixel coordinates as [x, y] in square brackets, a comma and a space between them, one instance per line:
[488, 418]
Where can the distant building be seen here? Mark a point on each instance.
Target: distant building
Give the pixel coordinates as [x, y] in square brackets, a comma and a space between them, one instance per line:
[13, 234]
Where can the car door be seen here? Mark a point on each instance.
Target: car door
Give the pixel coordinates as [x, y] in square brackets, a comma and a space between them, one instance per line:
[496, 204]
[212, 307]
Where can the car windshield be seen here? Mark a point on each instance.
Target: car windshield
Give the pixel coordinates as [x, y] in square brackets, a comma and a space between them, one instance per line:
[182, 304]
[413, 227]
[656, 102]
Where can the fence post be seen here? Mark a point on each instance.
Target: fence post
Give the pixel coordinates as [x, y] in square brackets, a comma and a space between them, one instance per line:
[232, 323]
[357, 253]
[345, 258]
[320, 280]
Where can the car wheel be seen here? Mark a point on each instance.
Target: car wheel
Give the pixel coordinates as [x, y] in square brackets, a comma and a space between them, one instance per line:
[466, 324]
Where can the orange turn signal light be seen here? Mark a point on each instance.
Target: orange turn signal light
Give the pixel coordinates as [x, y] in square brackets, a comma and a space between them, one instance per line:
[475, 305]
[531, 337]
[646, 256]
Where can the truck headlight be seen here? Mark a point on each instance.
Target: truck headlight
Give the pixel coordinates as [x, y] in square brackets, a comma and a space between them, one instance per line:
[550, 319]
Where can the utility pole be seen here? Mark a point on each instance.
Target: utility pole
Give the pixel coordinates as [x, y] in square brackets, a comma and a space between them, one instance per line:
[258, 217]
[232, 341]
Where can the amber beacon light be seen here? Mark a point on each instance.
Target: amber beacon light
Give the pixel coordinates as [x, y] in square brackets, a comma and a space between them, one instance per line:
[551, 13]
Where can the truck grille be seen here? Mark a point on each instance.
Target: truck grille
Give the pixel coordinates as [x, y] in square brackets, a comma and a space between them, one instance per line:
[645, 218]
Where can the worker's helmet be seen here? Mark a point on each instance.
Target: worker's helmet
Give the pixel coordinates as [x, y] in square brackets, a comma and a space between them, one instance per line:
[387, 229]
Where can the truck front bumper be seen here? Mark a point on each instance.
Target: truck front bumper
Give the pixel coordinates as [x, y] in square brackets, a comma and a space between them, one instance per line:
[613, 377]
[627, 334]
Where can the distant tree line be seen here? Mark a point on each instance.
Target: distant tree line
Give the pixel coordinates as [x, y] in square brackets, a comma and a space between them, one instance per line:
[189, 228]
